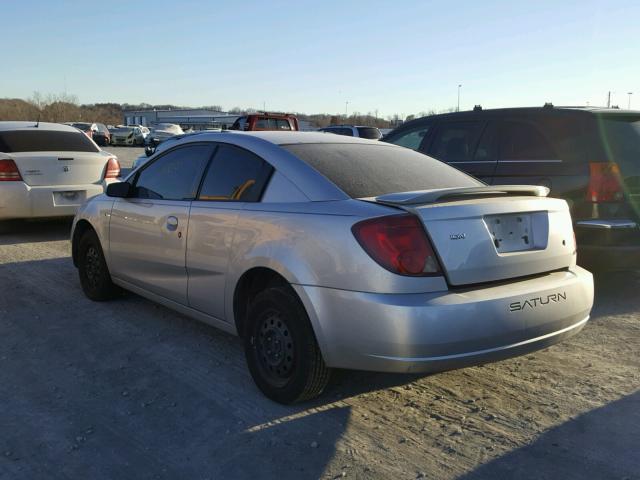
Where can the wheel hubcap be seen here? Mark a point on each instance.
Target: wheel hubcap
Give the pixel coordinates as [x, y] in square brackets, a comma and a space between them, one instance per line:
[92, 266]
[275, 346]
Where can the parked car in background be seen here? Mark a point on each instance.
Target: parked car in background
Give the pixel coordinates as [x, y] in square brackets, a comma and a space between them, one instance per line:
[102, 136]
[161, 132]
[129, 135]
[435, 270]
[151, 150]
[49, 170]
[266, 121]
[588, 156]
[88, 128]
[371, 133]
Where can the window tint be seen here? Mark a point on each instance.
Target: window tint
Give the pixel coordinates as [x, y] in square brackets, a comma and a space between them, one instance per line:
[282, 124]
[487, 146]
[410, 138]
[175, 175]
[262, 123]
[362, 170]
[235, 175]
[523, 141]
[45, 141]
[371, 133]
[455, 142]
[621, 134]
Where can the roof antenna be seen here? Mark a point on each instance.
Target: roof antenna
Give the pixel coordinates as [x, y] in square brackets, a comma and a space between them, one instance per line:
[38, 122]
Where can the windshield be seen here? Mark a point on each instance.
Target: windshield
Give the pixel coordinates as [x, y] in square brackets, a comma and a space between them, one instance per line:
[82, 126]
[362, 170]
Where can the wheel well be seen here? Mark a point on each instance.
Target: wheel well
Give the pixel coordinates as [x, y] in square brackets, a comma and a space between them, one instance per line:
[252, 282]
[81, 228]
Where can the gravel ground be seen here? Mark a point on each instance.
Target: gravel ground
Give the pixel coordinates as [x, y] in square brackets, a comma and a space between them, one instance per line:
[129, 389]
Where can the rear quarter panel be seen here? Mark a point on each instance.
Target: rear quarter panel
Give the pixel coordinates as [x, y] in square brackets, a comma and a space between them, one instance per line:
[315, 248]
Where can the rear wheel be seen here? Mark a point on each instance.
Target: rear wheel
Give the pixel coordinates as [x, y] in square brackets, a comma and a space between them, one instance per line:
[92, 269]
[281, 349]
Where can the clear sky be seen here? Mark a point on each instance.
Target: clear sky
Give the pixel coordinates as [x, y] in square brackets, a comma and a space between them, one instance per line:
[313, 56]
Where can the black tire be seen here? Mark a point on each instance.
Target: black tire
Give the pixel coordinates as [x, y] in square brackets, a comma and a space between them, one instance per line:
[281, 349]
[92, 268]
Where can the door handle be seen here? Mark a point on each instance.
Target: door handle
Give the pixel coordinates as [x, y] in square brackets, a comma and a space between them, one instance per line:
[172, 223]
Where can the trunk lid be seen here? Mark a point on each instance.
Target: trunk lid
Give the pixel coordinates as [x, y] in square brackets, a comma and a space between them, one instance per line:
[61, 168]
[486, 234]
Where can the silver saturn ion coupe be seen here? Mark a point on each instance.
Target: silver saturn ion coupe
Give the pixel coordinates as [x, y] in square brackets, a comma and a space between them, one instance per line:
[324, 252]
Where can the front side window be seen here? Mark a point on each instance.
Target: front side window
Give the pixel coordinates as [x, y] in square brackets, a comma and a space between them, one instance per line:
[175, 175]
[523, 141]
[235, 175]
[410, 138]
[455, 141]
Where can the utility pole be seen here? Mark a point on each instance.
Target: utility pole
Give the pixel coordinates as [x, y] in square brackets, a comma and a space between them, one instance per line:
[629, 105]
[346, 108]
[609, 99]
[458, 107]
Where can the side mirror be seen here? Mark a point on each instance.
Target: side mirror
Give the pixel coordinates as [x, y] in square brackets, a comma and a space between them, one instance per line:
[149, 150]
[118, 190]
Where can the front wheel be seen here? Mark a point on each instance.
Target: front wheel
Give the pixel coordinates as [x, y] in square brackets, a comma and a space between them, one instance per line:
[93, 271]
[281, 349]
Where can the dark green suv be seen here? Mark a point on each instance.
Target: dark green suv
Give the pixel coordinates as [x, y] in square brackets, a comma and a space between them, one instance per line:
[588, 156]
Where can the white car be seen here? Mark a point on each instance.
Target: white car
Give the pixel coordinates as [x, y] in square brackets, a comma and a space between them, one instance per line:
[129, 135]
[162, 131]
[370, 133]
[49, 170]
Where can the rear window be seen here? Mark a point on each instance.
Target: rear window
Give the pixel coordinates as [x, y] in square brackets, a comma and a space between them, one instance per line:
[371, 133]
[621, 136]
[372, 170]
[45, 141]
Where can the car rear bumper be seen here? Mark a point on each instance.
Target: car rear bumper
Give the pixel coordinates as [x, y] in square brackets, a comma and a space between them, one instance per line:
[445, 330]
[19, 200]
[608, 244]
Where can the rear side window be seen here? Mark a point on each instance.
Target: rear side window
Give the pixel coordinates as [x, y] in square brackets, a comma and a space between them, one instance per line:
[523, 141]
[370, 170]
[371, 133]
[45, 141]
[455, 141]
[235, 175]
[621, 136]
[282, 124]
[411, 138]
[175, 175]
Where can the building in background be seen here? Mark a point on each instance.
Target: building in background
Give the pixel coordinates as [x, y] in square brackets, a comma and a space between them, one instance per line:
[196, 118]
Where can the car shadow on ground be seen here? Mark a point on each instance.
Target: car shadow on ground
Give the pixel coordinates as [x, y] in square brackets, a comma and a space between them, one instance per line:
[130, 389]
[616, 293]
[13, 232]
[602, 443]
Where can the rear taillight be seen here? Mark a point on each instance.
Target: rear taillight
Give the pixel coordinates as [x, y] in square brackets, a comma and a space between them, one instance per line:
[9, 171]
[113, 168]
[605, 183]
[399, 244]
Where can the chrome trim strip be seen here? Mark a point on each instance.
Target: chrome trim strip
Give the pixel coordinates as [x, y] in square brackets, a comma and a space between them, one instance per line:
[607, 224]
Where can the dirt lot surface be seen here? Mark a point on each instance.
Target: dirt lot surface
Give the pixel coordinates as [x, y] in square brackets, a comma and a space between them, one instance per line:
[128, 389]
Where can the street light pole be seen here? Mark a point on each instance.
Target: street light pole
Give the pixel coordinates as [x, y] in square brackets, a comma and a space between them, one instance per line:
[346, 107]
[458, 107]
[629, 105]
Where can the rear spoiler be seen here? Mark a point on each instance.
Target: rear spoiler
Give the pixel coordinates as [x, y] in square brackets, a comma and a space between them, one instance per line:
[440, 194]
